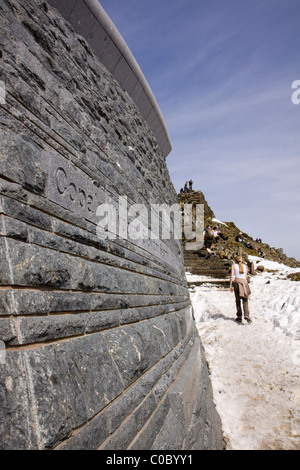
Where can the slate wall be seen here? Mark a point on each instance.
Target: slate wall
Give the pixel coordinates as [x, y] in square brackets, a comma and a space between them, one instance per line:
[101, 346]
[90, 20]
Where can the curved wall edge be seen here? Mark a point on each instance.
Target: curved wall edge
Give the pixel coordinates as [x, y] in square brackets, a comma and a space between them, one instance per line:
[90, 20]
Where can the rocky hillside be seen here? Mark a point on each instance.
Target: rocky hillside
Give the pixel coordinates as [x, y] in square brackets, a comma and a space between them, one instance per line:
[230, 230]
[228, 247]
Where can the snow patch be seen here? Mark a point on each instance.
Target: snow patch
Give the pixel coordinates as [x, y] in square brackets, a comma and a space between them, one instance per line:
[254, 368]
[219, 222]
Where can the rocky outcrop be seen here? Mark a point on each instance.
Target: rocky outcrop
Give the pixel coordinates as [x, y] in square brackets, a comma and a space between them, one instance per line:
[200, 261]
[216, 261]
[197, 197]
[101, 346]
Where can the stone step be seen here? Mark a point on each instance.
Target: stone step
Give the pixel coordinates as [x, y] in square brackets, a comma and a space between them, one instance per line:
[197, 262]
[214, 282]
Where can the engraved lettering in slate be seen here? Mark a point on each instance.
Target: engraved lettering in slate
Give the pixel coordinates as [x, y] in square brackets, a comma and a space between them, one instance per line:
[73, 189]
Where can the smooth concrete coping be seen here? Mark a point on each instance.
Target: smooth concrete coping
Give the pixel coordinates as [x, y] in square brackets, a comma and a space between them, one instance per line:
[90, 20]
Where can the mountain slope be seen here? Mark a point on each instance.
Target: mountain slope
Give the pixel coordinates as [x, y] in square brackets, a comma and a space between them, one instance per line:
[227, 248]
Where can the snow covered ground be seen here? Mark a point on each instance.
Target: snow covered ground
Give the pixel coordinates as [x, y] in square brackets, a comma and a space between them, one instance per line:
[254, 368]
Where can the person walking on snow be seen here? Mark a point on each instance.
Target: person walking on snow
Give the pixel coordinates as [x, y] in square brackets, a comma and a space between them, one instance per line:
[239, 284]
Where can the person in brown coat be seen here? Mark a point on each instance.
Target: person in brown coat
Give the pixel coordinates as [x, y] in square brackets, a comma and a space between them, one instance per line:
[239, 284]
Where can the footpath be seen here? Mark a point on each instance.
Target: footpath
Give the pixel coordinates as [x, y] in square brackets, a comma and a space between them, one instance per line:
[255, 368]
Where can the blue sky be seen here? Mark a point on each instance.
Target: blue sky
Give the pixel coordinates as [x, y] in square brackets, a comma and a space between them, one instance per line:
[222, 74]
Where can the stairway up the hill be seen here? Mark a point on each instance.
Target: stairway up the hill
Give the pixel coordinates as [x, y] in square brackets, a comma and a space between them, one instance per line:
[198, 262]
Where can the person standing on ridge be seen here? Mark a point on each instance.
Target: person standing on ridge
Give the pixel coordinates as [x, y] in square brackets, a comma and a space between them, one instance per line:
[239, 284]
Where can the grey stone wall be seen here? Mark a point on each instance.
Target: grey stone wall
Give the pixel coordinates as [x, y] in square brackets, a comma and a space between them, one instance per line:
[101, 347]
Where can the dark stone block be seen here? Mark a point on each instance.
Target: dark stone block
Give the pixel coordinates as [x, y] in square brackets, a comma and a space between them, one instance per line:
[90, 437]
[8, 332]
[26, 171]
[5, 303]
[72, 381]
[146, 438]
[17, 430]
[5, 268]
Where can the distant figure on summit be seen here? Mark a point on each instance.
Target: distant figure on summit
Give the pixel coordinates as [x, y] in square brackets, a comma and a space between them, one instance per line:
[188, 187]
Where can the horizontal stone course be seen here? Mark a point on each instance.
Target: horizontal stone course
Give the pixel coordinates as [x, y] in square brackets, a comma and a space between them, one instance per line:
[52, 327]
[83, 234]
[55, 387]
[33, 265]
[90, 248]
[25, 302]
